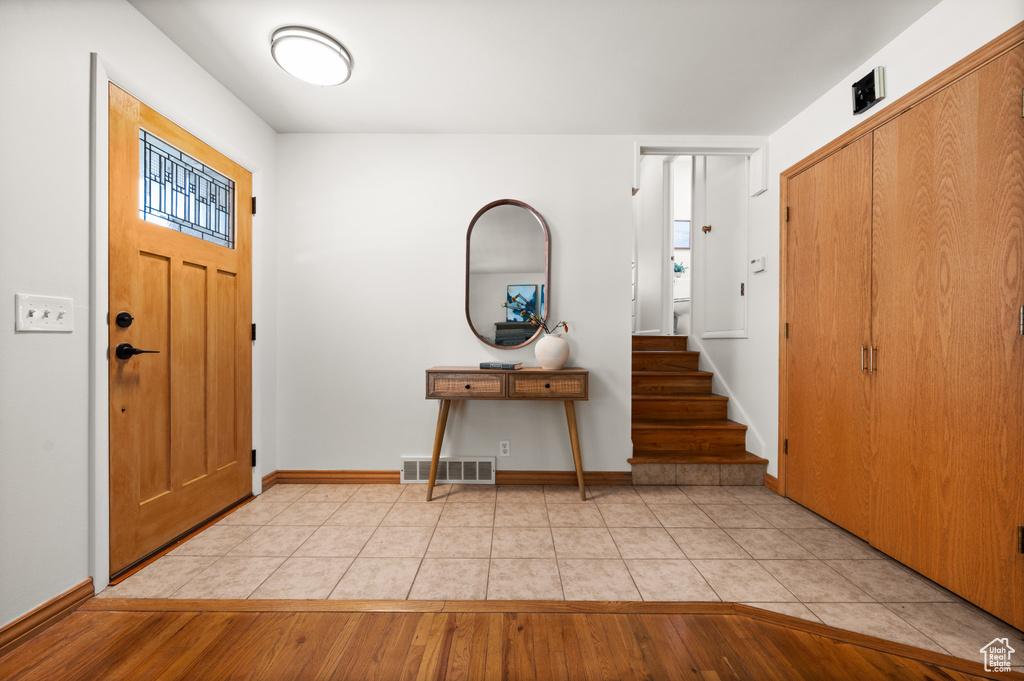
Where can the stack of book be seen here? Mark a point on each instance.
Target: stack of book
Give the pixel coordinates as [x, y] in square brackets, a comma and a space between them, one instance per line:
[508, 366]
[513, 333]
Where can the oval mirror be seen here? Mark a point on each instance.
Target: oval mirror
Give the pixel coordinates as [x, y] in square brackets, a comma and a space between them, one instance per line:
[507, 261]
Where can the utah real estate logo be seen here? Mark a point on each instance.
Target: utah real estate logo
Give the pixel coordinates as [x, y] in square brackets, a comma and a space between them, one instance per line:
[997, 655]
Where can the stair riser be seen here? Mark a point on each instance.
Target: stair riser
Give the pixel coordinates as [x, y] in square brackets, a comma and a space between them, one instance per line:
[709, 473]
[659, 342]
[693, 440]
[679, 384]
[666, 362]
[680, 409]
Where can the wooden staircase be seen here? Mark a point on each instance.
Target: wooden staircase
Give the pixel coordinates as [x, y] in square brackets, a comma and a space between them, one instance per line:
[681, 431]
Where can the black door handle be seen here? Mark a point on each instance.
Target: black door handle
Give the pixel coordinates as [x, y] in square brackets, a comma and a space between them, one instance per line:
[126, 351]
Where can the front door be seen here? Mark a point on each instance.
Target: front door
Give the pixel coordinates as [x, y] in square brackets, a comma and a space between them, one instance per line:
[180, 290]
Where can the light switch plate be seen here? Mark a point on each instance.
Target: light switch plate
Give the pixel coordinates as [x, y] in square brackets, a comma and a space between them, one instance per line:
[44, 313]
[759, 264]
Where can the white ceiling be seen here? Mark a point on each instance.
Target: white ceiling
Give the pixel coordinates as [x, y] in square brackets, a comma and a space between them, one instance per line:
[541, 66]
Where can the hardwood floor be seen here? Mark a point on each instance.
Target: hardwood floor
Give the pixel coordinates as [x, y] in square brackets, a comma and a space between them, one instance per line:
[167, 639]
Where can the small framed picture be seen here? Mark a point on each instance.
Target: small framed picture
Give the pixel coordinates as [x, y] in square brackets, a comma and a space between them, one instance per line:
[525, 302]
[682, 234]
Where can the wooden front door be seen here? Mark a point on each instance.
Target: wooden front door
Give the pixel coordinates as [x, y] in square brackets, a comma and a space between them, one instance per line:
[828, 296]
[180, 267]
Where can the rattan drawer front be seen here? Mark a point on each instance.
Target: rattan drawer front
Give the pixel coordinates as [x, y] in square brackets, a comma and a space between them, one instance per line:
[453, 385]
[539, 386]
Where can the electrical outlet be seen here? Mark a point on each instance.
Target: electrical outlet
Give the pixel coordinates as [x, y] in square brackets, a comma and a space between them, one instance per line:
[503, 448]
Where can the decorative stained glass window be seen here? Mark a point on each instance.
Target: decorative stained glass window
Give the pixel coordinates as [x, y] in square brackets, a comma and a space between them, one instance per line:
[181, 193]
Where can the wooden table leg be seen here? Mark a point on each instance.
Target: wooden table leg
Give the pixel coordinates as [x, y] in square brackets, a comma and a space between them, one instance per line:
[442, 421]
[574, 437]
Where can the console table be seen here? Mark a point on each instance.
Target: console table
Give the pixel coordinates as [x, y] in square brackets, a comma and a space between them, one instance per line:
[468, 383]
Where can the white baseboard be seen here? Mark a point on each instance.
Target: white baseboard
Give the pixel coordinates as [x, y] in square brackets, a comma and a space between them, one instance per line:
[722, 388]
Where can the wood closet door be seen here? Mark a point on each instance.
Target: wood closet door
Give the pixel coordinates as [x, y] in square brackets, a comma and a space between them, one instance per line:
[828, 309]
[947, 268]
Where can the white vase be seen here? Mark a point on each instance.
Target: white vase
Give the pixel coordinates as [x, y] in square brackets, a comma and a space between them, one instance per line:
[552, 352]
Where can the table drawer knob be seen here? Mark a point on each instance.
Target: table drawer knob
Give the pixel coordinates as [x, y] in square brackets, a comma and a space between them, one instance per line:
[467, 386]
[547, 385]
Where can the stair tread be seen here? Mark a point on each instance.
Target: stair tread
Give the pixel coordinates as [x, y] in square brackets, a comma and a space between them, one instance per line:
[666, 352]
[709, 397]
[692, 424]
[678, 372]
[682, 456]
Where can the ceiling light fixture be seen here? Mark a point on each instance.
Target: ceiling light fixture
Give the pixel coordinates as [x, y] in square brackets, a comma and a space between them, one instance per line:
[310, 55]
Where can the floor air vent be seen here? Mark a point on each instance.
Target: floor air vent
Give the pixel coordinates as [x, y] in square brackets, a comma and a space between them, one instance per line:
[461, 471]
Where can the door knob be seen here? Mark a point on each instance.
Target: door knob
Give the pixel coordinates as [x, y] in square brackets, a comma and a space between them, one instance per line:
[126, 351]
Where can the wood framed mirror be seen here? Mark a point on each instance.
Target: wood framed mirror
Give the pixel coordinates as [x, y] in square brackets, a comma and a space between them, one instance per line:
[508, 256]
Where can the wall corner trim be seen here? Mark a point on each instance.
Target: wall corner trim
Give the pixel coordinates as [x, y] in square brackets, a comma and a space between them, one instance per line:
[46, 615]
[269, 480]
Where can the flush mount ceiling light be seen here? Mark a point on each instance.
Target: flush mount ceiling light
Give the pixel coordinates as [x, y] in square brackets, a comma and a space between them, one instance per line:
[310, 55]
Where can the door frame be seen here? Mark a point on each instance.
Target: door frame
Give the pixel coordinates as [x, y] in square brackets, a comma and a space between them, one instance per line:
[103, 71]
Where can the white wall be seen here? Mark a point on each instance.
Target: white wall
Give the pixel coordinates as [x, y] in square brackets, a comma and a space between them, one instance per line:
[951, 31]
[45, 467]
[362, 321]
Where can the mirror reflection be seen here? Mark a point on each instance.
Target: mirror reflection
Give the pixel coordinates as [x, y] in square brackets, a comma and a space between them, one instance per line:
[506, 262]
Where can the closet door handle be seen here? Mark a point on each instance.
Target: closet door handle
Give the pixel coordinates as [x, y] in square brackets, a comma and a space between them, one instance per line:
[871, 360]
[863, 362]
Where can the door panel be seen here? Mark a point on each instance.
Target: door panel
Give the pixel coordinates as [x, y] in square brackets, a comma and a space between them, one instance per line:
[190, 372]
[223, 335]
[180, 420]
[828, 298]
[947, 266]
[722, 185]
[152, 377]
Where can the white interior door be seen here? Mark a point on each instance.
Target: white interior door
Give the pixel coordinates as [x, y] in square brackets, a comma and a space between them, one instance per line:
[720, 202]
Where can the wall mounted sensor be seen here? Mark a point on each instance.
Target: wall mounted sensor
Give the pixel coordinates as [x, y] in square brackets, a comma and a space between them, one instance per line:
[868, 90]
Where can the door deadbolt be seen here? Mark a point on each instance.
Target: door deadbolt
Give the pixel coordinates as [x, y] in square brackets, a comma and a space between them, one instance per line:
[124, 320]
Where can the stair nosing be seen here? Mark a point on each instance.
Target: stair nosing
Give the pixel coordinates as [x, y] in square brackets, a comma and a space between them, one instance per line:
[666, 352]
[677, 372]
[694, 424]
[656, 456]
[685, 396]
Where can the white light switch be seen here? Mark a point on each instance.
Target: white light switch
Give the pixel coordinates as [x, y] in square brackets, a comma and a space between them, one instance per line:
[44, 313]
[759, 264]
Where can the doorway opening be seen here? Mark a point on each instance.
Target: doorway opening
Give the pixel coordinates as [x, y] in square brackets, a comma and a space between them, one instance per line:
[680, 263]
[690, 256]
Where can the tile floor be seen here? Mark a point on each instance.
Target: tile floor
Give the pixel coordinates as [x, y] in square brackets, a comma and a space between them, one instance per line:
[475, 542]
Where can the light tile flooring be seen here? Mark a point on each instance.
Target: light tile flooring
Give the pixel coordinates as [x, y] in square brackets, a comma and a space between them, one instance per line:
[474, 542]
